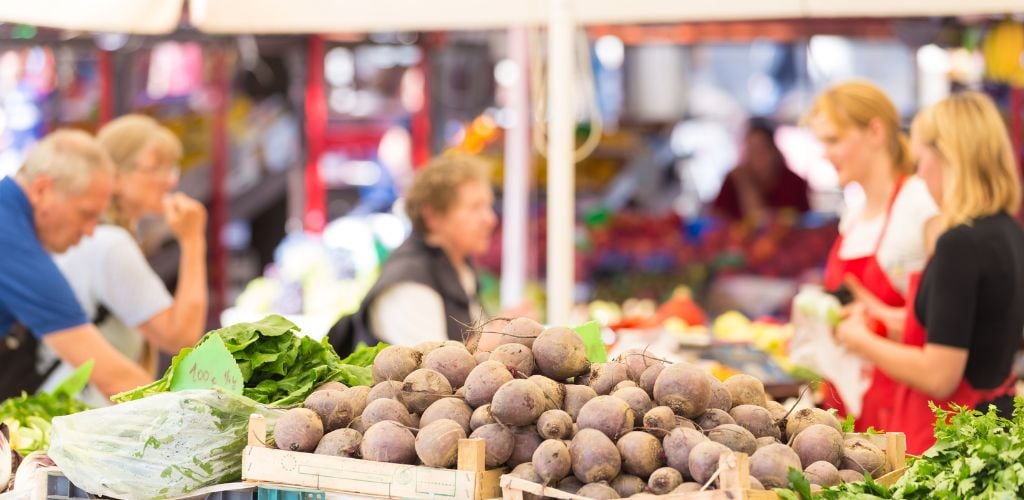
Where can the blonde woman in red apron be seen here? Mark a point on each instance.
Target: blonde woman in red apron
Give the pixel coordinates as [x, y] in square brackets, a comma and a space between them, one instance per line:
[966, 319]
[882, 241]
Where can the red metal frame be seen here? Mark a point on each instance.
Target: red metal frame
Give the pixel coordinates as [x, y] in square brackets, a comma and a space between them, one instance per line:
[221, 86]
[315, 214]
[420, 127]
[354, 138]
[105, 74]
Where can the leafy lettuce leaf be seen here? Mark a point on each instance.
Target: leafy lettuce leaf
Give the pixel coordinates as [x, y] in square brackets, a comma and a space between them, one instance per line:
[28, 417]
[279, 367]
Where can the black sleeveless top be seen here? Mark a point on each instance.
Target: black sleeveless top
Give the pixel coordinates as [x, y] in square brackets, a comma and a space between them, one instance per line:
[413, 261]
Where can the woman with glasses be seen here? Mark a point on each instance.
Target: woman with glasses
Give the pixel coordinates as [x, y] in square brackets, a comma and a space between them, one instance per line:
[108, 271]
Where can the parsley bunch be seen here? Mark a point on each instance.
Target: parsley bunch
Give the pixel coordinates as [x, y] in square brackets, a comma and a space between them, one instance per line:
[976, 455]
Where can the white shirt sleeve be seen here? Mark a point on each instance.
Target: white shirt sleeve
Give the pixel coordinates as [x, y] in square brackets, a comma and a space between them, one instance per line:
[119, 276]
[408, 313]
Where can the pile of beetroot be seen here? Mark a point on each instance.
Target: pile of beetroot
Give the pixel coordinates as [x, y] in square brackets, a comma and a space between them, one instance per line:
[632, 426]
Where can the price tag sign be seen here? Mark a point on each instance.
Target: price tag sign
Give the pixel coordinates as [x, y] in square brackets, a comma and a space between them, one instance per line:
[590, 332]
[209, 366]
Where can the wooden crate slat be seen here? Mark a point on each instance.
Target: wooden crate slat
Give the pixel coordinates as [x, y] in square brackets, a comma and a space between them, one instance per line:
[270, 465]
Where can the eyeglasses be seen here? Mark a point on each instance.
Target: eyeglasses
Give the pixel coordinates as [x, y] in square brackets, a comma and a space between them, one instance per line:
[166, 171]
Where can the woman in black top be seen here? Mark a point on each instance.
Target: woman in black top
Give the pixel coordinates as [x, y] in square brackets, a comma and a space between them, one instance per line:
[971, 297]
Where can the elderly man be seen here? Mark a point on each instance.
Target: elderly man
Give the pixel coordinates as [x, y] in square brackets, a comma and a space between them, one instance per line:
[55, 199]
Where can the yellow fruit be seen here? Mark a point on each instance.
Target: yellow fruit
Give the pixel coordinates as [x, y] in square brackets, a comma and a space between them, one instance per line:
[1003, 49]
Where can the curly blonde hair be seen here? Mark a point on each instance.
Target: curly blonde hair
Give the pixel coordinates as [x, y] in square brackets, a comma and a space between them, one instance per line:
[437, 185]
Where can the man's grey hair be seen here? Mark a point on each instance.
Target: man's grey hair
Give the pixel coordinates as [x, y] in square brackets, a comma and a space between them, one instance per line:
[69, 157]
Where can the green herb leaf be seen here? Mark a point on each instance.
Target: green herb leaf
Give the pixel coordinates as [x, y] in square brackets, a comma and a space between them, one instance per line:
[848, 424]
[75, 382]
[787, 494]
[799, 483]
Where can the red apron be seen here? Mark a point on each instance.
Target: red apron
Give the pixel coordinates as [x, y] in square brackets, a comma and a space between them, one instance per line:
[877, 405]
[911, 414]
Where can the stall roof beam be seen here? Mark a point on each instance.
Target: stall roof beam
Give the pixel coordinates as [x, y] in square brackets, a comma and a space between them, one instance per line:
[325, 16]
[157, 17]
[145, 17]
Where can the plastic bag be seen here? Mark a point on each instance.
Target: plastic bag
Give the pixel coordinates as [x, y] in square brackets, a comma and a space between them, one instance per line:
[161, 446]
[815, 314]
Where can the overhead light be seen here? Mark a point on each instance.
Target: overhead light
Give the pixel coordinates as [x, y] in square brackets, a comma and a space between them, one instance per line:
[610, 51]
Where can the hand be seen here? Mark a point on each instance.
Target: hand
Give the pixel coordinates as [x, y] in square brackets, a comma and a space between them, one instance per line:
[186, 217]
[853, 329]
[892, 318]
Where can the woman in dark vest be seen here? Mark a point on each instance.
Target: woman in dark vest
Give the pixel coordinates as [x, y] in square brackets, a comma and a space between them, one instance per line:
[427, 290]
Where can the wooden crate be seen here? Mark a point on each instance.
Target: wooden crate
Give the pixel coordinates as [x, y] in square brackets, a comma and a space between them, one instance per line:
[733, 476]
[471, 481]
[733, 484]
[894, 444]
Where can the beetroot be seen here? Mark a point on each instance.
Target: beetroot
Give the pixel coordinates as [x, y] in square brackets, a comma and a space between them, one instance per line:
[553, 391]
[555, 424]
[499, 442]
[453, 362]
[560, 354]
[388, 389]
[637, 399]
[713, 418]
[299, 429]
[551, 461]
[641, 452]
[649, 377]
[448, 408]
[720, 397]
[575, 397]
[481, 417]
[381, 410]
[521, 330]
[395, 363]
[608, 414]
[340, 443]
[605, 376]
[594, 456]
[483, 381]
[388, 442]
[771, 465]
[525, 442]
[437, 444]
[678, 445]
[746, 390]
[332, 407]
[684, 388]
[638, 361]
[664, 480]
[518, 403]
[424, 387]
[517, 358]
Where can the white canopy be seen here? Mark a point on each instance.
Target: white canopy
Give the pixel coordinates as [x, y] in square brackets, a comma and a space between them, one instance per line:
[148, 17]
[325, 16]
